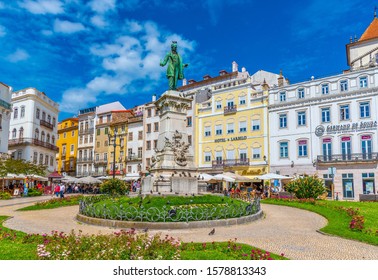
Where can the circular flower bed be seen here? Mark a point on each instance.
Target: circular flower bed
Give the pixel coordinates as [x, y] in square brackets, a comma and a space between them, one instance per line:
[167, 209]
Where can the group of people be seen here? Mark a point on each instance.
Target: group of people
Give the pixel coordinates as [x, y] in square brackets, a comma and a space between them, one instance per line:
[60, 189]
[135, 186]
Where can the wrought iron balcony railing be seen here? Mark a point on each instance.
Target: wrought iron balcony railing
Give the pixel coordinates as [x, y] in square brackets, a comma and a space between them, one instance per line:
[86, 131]
[46, 124]
[230, 162]
[32, 141]
[361, 157]
[230, 109]
[85, 159]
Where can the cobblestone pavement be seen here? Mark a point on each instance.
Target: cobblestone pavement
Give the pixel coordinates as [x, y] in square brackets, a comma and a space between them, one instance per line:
[282, 230]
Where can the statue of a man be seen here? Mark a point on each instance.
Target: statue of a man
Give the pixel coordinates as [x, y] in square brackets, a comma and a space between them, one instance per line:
[175, 69]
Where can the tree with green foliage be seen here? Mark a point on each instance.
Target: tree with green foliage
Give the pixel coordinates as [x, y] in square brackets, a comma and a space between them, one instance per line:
[20, 166]
[306, 187]
[114, 187]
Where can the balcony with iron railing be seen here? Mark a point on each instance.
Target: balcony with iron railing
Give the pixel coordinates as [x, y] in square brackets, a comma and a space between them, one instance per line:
[32, 141]
[134, 158]
[344, 158]
[230, 163]
[86, 131]
[101, 161]
[46, 124]
[230, 109]
[84, 159]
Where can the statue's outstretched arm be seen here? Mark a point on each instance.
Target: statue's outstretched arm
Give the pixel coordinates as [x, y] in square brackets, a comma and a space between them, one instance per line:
[165, 60]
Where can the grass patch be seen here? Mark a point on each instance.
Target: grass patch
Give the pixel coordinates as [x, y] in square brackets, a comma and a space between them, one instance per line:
[166, 208]
[338, 218]
[54, 203]
[12, 246]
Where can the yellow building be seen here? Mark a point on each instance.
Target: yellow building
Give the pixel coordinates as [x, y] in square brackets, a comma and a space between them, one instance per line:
[231, 128]
[117, 152]
[67, 144]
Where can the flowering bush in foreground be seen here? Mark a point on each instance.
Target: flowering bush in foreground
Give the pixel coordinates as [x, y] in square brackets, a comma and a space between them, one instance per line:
[123, 245]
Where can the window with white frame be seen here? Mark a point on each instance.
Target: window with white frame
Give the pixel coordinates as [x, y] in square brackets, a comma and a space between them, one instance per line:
[301, 93]
[326, 115]
[256, 153]
[15, 113]
[219, 156]
[243, 154]
[207, 130]
[242, 100]
[344, 85]
[325, 89]
[255, 125]
[22, 114]
[218, 129]
[302, 148]
[364, 110]
[230, 128]
[282, 96]
[283, 120]
[301, 118]
[344, 112]
[284, 150]
[363, 82]
[207, 156]
[242, 126]
[218, 104]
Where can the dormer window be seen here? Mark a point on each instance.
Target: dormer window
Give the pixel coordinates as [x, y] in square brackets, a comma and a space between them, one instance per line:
[325, 89]
[301, 93]
[283, 96]
[344, 85]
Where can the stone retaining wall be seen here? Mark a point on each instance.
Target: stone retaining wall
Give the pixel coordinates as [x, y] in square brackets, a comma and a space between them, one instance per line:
[168, 225]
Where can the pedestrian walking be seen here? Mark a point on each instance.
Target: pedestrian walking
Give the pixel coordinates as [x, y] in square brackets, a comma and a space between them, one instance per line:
[62, 190]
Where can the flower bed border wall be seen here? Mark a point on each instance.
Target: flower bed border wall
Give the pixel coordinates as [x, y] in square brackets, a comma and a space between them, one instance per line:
[169, 225]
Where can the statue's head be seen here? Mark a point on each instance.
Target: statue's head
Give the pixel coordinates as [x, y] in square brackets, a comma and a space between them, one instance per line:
[174, 46]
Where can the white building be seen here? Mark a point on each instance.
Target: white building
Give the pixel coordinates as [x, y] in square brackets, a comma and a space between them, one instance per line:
[33, 129]
[329, 125]
[5, 116]
[151, 120]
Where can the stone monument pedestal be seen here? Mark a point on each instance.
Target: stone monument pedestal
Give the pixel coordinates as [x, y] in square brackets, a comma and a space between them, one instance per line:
[172, 166]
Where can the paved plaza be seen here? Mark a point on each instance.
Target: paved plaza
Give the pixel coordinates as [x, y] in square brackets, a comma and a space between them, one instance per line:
[282, 230]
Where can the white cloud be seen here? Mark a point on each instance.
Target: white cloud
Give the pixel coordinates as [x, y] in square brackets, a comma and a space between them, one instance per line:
[43, 6]
[99, 21]
[102, 6]
[68, 27]
[18, 55]
[75, 98]
[130, 63]
[47, 32]
[2, 31]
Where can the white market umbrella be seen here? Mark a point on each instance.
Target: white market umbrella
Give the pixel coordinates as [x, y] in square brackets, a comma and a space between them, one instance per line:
[130, 178]
[237, 177]
[222, 177]
[272, 176]
[69, 179]
[205, 177]
[89, 180]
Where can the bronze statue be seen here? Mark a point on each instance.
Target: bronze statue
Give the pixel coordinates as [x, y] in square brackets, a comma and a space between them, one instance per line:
[175, 69]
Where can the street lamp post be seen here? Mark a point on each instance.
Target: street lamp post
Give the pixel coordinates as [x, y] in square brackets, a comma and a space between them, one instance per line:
[114, 139]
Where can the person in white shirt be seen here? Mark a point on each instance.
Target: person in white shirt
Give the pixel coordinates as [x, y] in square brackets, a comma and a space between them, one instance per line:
[62, 190]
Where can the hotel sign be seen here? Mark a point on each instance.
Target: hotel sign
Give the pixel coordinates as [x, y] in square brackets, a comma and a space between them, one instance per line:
[231, 139]
[320, 130]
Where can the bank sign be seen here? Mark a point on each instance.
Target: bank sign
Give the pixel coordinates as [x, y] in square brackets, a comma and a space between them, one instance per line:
[320, 130]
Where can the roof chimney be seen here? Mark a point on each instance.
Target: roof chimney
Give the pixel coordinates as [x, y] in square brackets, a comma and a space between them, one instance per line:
[243, 69]
[184, 82]
[234, 67]
[206, 77]
[154, 97]
[280, 79]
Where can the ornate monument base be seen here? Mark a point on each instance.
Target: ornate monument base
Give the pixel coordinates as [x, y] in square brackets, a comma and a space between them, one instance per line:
[172, 167]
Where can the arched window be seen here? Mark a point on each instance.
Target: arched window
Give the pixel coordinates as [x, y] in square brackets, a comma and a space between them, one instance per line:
[43, 116]
[15, 113]
[43, 136]
[48, 138]
[36, 134]
[21, 133]
[14, 133]
[53, 140]
[49, 119]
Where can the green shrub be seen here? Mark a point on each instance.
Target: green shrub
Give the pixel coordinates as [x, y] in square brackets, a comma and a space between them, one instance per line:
[34, 192]
[306, 187]
[5, 195]
[114, 187]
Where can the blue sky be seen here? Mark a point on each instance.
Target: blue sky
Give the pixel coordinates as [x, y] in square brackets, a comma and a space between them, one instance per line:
[83, 53]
